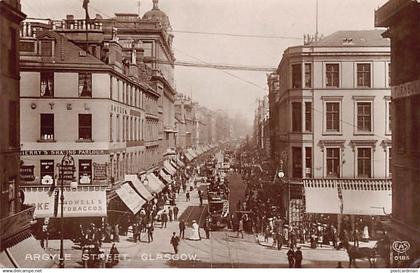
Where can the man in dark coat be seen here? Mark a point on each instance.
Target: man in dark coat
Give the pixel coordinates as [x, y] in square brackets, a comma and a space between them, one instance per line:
[181, 229]
[291, 257]
[175, 242]
[150, 228]
[164, 218]
[176, 210]
[298, 258]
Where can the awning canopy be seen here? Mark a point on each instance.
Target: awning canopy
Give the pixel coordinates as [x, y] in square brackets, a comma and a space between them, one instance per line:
[29, 254]
[168, 167]
[352, 197]
[84, 202]
[153, 184]
[130, 198]
[167, 179]
[139, 187]
[174, 164]
[42, 199]
[189, 156]
[321, 196]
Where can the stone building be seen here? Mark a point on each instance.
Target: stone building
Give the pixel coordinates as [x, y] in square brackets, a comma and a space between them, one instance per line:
[402, 19]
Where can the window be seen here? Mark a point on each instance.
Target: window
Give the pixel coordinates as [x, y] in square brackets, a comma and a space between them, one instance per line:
[333, 162]
[400, 134]
[364, 158]
[389, 74]
[110, 127]
[333, 116]
[85, 84]
[118, 128]
[85, 171]
[13, 124]
[47, 171]
[148, 49]
[363, 75]
[389, 117]
[47, 84]
[308, 75]
[296, 76]
[46, 48]
[297, 162]
[296, 116]
[308, 116]
[308, 162]
[85, 126]
[47, 126]
[27, 46]
[332, 75]
[364, 116]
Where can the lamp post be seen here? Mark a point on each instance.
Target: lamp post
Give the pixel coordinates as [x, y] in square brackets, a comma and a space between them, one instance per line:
[281, 175]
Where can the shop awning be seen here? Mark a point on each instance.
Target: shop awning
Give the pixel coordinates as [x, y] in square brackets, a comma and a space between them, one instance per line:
[5, 262]
[29, 254]
[168, 167]
[321, 196]
[153, 184]
[167, 179]
[189, 156]
[42, 199]
[367, 197]
[139, 187]
[84, 202]
[130, 198]
[180, 163]
[174, 164]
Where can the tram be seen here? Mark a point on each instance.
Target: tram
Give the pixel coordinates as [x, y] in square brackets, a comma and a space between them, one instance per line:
[218, 209]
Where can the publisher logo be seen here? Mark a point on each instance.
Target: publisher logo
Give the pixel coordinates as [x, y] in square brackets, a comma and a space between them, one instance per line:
[400, 246]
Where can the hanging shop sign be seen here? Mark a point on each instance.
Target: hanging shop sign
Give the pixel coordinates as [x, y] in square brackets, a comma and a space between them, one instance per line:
[66, 169]
[85, 171]
[100, 171]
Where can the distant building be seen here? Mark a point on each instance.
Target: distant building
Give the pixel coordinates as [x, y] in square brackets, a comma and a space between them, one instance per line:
[402, 20]
[330, 105]
[261, 126]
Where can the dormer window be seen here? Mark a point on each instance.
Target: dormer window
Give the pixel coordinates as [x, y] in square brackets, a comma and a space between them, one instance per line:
[46, 48]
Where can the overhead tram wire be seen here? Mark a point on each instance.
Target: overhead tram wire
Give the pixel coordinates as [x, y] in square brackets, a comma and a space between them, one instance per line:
[237, 35]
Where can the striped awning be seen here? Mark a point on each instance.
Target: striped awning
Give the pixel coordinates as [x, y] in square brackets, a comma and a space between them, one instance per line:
[130, 198]
[25, 253]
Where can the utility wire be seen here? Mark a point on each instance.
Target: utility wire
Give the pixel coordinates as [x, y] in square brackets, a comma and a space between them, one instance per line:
[237, 35]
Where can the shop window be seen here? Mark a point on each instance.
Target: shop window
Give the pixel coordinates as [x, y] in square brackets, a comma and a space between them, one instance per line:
[364, 161]
[47, 126]
[47, 84]
[47, 171]
[85, 171]
[333, 162]
[85, 127]
[85, 84]
[332, 75]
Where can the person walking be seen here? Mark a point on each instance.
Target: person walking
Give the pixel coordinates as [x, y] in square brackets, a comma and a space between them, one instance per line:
[116, 233]
[175, 242]
[176, 210]
[150, 228]
[279, 240]
[171, 214]
[240, 229]
[291, 257]
[164, 218]
[187, 196]
[207, 228]
[200, 196]
[181, 229]
[298, 258]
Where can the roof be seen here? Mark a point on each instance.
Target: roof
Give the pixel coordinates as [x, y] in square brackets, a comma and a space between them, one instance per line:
[157, 15]
[357, 38]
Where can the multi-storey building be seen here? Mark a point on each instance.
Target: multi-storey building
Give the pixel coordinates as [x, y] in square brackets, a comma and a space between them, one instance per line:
[332, 125]
[153, 34]
[402, 19]
[261, 126]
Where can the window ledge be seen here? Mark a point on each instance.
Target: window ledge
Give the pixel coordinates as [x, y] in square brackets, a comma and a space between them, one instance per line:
[332, 133]
[46, 140]
[364, 134]
[84, 141]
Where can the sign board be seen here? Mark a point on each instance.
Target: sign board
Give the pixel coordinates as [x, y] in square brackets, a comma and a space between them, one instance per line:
[83, 203]
[100, 171]
[27, 173]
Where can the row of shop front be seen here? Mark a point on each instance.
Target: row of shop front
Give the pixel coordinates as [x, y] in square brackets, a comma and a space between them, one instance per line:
[85, 204]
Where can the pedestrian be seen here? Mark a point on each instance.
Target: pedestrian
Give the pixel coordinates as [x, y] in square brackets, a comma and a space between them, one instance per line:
[291, 257]
[356, 237]
[201, 199]
[175, 242]
[171, 214]
[116, 237]
[150, 229]
[298, 258]
[267, 233]
[184, 187]
[176, 210]
[181, 229]
[164, 218]
[135, 232]
[187, 196]
[279, 240]
[240, 229]
[207, 228]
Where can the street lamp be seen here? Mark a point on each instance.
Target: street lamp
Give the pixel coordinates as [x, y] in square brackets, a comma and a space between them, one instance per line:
[281, 175]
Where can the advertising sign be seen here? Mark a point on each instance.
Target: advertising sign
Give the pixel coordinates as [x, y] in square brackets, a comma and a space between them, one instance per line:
[27, 173]
[42, 200]
[100, 171]
[83, 203]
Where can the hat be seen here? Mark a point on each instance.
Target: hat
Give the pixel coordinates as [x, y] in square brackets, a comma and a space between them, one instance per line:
[194, 221]
[298, 247]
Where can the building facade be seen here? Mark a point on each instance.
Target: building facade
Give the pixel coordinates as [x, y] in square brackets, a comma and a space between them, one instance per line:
[402, 20]
[330, 104]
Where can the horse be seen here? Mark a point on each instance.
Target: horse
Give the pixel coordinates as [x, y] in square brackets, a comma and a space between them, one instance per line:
[361, 253]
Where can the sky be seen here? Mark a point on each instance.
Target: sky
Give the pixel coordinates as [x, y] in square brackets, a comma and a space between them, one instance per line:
[233, 91]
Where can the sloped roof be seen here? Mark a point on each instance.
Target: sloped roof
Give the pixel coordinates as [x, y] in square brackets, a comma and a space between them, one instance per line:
[357, 38]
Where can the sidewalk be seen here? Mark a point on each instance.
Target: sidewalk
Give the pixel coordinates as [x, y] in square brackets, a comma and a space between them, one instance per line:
[130, 251]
